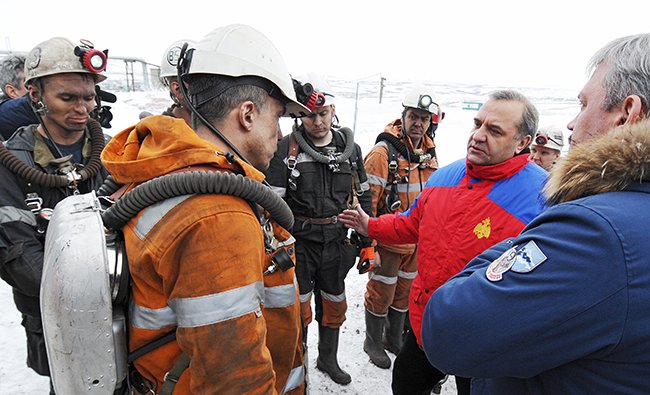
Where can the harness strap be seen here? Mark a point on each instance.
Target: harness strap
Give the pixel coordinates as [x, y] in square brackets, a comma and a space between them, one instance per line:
[353, 198]
[172, 377]
[294, 150]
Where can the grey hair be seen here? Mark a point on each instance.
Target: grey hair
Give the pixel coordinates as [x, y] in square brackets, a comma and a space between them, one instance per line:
[10, 69]
[530, 116]
[628, 73]
[219, 106]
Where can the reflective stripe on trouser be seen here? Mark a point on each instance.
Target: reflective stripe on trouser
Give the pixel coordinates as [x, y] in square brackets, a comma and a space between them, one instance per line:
[321, 269]
[390, 285]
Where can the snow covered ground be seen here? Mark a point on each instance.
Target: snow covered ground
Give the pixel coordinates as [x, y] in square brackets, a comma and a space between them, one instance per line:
[556, 107]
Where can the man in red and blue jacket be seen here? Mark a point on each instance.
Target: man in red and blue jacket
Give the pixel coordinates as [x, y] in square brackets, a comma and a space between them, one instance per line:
[465, 208]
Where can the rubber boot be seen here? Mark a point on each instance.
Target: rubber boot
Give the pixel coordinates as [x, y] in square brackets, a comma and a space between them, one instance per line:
[372, 345]
[328, 344]
[393, 339]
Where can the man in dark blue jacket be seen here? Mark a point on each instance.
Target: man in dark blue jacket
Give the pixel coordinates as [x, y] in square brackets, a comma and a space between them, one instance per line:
[14, 105]
[562, 308]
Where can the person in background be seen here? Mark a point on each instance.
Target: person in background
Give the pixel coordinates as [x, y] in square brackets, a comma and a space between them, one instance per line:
[64, 144]
[12, 77]
[169, 78]
[202, 265]
[15, 109]
[562, 308]
[398, 166]
[318, 169]
[547, 147]
[465, 208]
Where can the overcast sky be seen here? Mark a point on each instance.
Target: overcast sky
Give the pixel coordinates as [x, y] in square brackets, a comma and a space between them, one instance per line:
[498, 42]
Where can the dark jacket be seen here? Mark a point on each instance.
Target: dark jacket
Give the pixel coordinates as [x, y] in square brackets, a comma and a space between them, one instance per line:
[320, 192]
[15, 113]
[563, 307]
[21, 246]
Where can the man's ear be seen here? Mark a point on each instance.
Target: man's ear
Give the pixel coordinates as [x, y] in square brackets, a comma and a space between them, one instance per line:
[631, 110]
[176, 90]
[11, 90]
[247, 114]
[523, 143]
[34, 93]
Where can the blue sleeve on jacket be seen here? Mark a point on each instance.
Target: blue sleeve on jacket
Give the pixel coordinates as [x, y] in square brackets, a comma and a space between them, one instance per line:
[531, 321]
[508, 193]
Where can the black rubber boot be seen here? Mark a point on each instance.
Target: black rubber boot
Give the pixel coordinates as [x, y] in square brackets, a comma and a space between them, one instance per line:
[393, 339]
[328, 344]
[373, 344]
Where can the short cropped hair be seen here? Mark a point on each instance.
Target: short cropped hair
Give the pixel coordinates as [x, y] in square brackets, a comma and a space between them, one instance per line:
[11, 68]
[530, 116]
[628, 59]
[222, 95]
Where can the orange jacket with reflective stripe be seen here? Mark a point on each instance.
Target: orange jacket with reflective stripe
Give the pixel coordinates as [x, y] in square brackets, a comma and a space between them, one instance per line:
[197, 264]
[376, 164]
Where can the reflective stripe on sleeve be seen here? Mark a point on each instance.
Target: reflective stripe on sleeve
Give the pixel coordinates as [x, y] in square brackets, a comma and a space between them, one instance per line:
[218, 307]
[383, 279]
[333, 298]
[154, 319]
[13, 214]
[280, 296]
[295, 379]
[154, 213]
[376, 180]
[404, 188]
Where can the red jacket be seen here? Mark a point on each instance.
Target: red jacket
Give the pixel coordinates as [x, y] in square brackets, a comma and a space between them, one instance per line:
[463, 210]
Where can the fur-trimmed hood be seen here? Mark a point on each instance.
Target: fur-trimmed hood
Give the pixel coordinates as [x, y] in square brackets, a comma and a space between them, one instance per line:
[608, 163]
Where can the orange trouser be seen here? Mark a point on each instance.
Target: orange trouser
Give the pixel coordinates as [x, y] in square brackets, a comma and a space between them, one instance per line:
[390, 284]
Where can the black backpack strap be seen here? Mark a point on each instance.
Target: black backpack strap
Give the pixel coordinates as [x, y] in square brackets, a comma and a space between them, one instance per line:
[174, 374]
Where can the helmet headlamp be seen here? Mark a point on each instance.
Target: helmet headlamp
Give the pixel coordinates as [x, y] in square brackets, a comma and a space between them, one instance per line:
[542, 138]
[426, 103]
[92, 59]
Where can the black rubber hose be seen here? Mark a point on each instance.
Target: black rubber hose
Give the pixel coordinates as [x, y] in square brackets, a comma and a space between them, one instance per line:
[401, 148]
[36, 176]
[109, 187]
[320, 157]
[196, 182]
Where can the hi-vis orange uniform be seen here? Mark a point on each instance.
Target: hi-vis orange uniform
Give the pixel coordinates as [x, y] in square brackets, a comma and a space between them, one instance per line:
[390, 284]
[197, 264]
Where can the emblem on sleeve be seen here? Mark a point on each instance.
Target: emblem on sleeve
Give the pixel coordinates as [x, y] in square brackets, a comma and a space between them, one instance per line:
[501, 265]
[528, 258]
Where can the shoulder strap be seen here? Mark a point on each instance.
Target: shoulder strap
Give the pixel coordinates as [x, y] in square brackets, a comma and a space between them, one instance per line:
[392, 161]
[292, 153]
[172, 377]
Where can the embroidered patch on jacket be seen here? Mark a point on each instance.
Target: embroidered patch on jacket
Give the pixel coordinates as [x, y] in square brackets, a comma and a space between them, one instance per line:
[501, 265]
[528, 258]
[482, 229]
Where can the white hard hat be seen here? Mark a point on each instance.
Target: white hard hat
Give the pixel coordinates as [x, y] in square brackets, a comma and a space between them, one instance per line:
[549, 137]
[59, 55]
[421, 98]
[170, 58]
[240, 50]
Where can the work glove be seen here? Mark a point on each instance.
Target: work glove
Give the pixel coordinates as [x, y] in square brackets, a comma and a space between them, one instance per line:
[368, 260]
